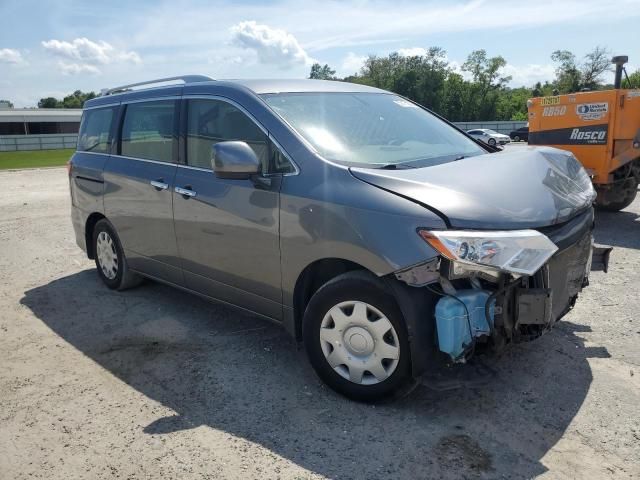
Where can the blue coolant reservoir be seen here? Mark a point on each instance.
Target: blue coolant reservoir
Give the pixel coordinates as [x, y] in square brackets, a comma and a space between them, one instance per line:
[455, 331]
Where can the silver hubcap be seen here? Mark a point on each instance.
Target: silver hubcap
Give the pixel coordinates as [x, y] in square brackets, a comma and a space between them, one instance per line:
[107, 256]
[359, 342]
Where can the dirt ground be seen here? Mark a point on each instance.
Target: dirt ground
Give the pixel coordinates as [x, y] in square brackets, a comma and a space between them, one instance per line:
[157, 383]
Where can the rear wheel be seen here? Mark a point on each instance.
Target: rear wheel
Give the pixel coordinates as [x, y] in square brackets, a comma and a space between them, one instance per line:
[619, 196]
[110, 260]
[356, 340]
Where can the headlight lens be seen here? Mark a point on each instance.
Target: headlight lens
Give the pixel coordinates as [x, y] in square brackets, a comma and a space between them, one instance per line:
[521, 252]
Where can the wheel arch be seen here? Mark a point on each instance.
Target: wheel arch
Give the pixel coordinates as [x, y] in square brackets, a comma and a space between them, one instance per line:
[90, 224]
[312, 277]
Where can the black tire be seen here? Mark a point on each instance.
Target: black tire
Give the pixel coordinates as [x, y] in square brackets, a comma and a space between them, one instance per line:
[616, 206]
[359, 286]
[123, 278]
[516, 138]
[492, 142]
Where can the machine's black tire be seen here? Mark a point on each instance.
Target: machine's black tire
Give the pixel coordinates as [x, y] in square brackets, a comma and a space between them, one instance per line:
[124, 278]
[492, 142]
[622, 204]
[516, 138]
[358, 286]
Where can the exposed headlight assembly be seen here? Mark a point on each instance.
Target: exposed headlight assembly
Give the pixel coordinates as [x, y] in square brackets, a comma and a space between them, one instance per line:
[521, 252]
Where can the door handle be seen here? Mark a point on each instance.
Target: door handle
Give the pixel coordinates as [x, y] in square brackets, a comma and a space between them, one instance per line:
[159, 184]
[185, 192]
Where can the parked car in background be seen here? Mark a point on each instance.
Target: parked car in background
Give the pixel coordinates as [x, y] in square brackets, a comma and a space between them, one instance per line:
[520, 135]
[373, 231]
[490, 137]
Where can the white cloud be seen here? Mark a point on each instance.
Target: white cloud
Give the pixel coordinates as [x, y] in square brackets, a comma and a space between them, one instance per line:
[271, 45]
[9, 55]
[86, 54]
[412, 52]
[352, 63]
[76, 68]
[528, 75]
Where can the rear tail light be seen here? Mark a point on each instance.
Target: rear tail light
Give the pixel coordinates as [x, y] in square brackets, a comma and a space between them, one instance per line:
[69, 165]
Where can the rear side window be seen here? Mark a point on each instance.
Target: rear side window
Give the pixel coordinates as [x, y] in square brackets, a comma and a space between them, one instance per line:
[94, 130]
[148, 130]
[213, 121]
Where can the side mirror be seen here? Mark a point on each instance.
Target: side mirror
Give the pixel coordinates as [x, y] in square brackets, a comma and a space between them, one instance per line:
[234, 160]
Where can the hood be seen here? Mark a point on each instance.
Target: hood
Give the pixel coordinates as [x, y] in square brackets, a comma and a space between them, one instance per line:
[530, 187]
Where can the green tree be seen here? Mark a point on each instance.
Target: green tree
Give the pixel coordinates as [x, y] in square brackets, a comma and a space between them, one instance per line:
[512, 104]
[420, 78]
[487, 84]
[633, 81]
[429, 80]
[568, 76]
[572, 77]
[49, 102]
[75, 100]
[7, 102]
[594, 65]
[322, 72]
[455, 97]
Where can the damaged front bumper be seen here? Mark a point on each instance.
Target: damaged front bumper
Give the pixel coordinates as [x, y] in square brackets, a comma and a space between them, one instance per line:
[481, 309]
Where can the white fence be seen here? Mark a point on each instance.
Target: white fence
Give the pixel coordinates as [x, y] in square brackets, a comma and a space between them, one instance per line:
[12, 143]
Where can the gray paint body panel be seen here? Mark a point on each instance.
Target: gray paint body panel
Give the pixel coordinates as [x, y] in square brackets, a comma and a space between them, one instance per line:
[228, 239]
[143, 215]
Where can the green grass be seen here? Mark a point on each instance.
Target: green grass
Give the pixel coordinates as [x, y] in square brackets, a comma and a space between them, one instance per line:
[35, 158]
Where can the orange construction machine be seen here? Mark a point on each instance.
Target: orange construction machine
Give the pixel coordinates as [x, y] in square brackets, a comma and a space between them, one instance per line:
[602, 129]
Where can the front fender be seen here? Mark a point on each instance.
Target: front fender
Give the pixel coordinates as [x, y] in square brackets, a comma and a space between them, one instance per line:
[341, 217]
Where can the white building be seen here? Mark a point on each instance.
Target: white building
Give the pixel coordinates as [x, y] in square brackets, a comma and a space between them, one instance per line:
[39, 121]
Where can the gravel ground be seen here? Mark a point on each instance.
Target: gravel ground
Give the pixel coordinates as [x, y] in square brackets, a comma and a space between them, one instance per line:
[157, 383]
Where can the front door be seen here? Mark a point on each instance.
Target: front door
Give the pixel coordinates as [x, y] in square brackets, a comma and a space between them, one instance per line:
[228, 230]
[139, 180]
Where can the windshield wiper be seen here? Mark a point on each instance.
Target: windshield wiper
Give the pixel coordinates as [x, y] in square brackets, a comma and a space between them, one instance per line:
[394, 166]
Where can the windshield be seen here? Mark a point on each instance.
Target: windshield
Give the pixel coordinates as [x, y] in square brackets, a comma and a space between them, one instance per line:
[492, 132]
[371, 129]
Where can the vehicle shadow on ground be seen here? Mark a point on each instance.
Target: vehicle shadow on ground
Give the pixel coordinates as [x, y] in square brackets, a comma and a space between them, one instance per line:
[233, 372]
[618, 229]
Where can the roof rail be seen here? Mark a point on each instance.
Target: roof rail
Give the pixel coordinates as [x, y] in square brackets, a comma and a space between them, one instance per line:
[184, 78]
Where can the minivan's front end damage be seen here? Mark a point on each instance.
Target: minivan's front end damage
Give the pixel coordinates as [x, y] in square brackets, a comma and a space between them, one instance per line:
[496, 288]
[513, 257]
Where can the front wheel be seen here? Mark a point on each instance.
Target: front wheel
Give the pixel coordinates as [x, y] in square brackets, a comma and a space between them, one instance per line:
[492, 142]
[356, 339]
[516, 138]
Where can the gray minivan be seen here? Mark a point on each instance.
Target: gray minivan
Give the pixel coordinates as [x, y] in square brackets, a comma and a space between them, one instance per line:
[387, 240]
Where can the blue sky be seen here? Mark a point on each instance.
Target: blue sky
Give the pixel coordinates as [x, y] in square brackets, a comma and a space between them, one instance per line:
[52, 48]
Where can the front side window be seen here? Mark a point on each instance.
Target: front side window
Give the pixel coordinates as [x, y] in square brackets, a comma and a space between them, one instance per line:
[371, 129]
[94, 130]
[213, 121]
[148, 130]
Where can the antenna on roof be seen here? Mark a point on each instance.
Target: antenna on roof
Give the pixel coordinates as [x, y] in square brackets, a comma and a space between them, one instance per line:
[184, 78]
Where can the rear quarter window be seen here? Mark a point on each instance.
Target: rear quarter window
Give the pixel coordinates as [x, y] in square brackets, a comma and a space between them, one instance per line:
[95, 130]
